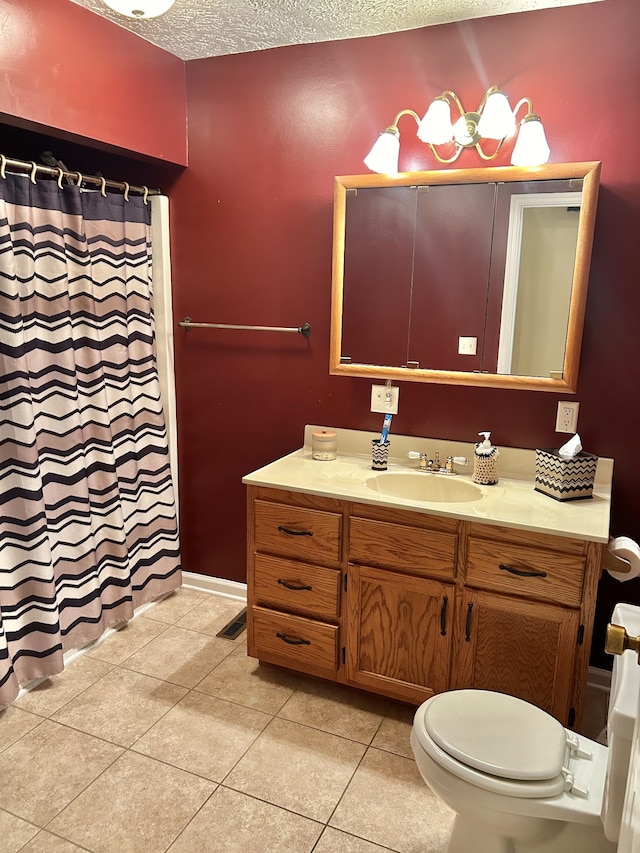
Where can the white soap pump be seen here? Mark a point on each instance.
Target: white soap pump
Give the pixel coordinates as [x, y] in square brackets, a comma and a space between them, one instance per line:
[485, 462]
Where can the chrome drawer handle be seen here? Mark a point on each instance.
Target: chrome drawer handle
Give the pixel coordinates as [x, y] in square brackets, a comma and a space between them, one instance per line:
[521, 572]
[296, 641]
[294, 586]
[295, 532]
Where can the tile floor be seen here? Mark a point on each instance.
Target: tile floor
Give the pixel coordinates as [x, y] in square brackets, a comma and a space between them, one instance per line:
[164, 737]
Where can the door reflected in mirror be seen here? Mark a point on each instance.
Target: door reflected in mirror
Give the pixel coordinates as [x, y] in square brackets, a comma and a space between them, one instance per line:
[474, 277]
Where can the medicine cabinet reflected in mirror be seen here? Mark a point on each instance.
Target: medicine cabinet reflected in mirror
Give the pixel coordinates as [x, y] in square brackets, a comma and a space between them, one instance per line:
[463, 276]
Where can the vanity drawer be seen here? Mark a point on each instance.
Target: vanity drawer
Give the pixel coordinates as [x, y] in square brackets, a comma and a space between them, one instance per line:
[310, 535]
[293, 640]
[296, 586]
[398, 546]
[545, 575]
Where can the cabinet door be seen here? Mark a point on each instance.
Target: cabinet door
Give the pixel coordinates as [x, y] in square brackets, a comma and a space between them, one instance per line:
[398, 633]
[519, 647]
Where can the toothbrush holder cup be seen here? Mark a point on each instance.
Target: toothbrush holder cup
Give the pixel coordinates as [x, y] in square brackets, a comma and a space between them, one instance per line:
[379, 455]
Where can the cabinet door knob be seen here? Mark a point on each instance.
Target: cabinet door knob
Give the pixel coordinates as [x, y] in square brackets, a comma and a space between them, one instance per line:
[293, 641]
[290, 532]
[522, 573]
[295, 586]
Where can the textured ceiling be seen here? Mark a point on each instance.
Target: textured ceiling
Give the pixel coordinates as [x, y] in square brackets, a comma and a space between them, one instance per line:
[194, 29]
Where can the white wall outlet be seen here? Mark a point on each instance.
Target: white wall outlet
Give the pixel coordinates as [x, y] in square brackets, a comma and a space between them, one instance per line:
[567, 417]
[467, 346]
[384, 398]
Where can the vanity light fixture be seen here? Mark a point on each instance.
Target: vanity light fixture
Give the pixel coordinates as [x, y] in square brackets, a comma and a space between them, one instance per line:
[140, 8]
[493, 120]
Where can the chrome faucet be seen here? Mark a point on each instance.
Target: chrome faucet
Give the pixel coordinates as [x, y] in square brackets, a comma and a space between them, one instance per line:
[434, 466]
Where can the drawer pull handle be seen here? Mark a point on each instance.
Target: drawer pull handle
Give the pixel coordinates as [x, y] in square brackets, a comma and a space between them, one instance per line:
[467, 627]
[294, 586]
[290, 532]
[522, 573]
[293, 641]
[443, 617]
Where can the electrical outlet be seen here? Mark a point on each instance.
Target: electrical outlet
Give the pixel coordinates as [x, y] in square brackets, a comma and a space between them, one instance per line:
[384, 398]
[567, 417]
[467, 346]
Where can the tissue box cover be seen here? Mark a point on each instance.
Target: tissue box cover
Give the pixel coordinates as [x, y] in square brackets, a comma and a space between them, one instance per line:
[565, 479]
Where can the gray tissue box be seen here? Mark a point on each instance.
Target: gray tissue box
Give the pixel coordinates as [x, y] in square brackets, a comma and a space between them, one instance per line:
[565, 479]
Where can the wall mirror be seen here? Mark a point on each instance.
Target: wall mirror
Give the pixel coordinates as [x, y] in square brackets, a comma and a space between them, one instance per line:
[463, 276]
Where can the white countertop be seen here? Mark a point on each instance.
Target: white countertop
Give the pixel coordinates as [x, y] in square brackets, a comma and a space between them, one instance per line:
[511, 503]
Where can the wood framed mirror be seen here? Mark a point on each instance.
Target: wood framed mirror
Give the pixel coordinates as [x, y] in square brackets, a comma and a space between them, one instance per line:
[463, 276]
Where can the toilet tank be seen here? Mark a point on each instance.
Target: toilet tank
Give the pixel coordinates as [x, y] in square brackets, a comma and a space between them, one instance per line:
[623, 710]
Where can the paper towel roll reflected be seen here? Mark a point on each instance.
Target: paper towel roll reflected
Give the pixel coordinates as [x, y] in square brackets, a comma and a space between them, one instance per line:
[618, 549]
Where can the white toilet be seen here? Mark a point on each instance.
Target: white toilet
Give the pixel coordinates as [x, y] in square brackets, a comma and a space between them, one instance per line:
[520, 782]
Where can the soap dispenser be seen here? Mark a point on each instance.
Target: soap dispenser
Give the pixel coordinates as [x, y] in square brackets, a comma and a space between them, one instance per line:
[485, 462]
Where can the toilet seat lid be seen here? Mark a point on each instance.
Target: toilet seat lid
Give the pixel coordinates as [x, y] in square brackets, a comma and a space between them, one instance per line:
[497, 734]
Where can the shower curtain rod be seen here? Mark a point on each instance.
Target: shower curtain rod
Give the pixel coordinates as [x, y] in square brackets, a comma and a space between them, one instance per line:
[304, 330]
[34, 169]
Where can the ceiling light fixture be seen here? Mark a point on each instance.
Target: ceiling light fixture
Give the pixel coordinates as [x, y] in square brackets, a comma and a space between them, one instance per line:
[140, 8]
[493, 120]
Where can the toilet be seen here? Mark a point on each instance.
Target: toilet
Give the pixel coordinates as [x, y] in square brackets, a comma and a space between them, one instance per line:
[518, 781]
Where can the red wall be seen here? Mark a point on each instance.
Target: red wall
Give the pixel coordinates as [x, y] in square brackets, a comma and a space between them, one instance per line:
[71, 73]
[252, 220]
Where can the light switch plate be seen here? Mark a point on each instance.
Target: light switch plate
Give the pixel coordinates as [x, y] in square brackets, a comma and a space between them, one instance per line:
[384, 398]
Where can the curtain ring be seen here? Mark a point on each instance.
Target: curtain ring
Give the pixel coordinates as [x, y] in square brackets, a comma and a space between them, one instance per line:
[60, 176]
[126, 191]
[80, 179]
[34, 168]
[3, 166]
[146, 194]
[103, 190]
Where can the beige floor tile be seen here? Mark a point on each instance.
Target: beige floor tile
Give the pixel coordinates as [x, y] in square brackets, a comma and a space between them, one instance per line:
[212, 614]
[334, 841]
[297, 768]
[203, 735]
[137, 806]
[242, 679]
[180, 656]
[46, 842]
[14, 832]
[121, 706]
[43, 771]
[127, 641]
[55, 692]
[594, 718]
[176, 605]
[388, 803]
[249, 825]
[336, 709]
[14, 723]
[393, 735]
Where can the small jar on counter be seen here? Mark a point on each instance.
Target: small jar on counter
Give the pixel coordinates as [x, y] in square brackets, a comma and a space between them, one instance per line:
[324, 445]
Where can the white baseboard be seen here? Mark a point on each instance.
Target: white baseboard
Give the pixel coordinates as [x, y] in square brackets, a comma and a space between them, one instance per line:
[599, 678]
[218, 586]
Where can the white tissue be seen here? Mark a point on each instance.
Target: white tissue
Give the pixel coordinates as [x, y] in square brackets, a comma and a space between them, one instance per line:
[571, 448]
[626, 549]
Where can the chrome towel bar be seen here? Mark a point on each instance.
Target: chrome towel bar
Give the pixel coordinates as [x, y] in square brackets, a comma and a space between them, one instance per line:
[304, 330]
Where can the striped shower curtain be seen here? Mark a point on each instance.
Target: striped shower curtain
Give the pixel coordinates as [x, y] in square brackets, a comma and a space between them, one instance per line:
[88, 528]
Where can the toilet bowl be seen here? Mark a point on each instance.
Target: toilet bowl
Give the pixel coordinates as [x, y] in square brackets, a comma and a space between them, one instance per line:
[518, 781]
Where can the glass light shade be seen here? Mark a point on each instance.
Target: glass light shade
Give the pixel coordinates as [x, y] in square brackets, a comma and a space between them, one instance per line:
[497, 119]
[436, 126]
[140, 8]
[383, 157]
[531, 148]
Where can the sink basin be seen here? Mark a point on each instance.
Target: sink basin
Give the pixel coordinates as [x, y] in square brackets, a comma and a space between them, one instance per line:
[415, 486]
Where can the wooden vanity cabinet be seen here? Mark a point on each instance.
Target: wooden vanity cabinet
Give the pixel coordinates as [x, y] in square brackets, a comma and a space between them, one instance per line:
[407, 604]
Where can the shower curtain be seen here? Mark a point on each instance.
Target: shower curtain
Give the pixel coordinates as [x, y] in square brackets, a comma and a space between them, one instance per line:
[88, 528]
